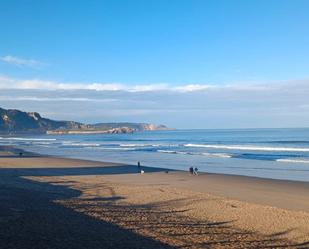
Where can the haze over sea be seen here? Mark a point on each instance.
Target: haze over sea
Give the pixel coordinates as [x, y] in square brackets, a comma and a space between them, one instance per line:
[268, 153]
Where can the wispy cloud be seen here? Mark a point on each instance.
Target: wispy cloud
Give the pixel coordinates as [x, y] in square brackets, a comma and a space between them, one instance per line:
[22, 62]
[148, 88]
[54, 99]
[268, 104]
[192, 88]
[36, 84]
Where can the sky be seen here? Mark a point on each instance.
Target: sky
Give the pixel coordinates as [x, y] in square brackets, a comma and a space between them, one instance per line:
[183, 63]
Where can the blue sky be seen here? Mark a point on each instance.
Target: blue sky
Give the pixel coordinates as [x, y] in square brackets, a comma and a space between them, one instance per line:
[176, 48]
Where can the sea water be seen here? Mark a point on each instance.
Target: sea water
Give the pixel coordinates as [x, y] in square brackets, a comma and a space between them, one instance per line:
[267, 153]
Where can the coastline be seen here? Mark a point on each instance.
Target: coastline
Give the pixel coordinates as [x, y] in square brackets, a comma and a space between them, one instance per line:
[254, 206]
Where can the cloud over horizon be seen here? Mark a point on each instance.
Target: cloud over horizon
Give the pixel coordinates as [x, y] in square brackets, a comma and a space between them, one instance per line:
[275, 104]
[37, 84]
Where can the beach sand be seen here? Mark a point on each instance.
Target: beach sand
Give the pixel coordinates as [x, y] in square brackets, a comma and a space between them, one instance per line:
[49, 202]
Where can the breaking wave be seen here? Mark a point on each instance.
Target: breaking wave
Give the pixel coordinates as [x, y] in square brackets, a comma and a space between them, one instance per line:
[28, 139]
[72, 144]
[246, 147]
[143, 145]
[293, 160]
[223, 155]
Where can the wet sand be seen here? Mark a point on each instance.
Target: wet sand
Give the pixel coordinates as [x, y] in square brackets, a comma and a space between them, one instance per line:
[49, 202]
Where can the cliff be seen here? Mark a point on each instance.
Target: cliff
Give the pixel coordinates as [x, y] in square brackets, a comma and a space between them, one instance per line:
[92, 131]
[134, 126]
[15, 121]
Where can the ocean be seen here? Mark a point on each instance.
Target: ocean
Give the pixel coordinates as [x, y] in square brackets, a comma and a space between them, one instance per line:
[267, 153]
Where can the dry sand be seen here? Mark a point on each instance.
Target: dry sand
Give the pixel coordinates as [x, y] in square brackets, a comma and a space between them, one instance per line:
[51, 202]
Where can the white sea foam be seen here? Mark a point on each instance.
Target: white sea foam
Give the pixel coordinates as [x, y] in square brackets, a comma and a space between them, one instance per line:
[43, 143]
[223, 155]
[115, 148]
[246, 147]
[81, 144]
[193, 153]
[168, 151]
[134, 145]
[293, 160]
[28, 139]
[178, 152]
[143, 145]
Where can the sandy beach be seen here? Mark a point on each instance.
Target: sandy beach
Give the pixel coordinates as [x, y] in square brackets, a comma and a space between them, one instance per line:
[49, 202]
[135, 124]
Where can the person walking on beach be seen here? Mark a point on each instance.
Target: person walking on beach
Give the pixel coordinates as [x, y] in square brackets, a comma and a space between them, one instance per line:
[195, 171]
[139, 167]
[191, 170]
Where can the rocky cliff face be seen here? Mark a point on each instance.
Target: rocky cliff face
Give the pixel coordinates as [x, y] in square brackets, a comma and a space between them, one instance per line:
[91, 131]
[134, 126]
[153, 127]
[15, 121]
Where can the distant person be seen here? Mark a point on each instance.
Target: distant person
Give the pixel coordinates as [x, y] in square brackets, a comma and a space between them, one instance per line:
[138, 166]
[195, 171]
[20, 154]
[191, 170]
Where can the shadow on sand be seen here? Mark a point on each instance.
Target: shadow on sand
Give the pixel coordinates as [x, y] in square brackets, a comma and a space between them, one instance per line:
[69, 171]
[30, 218]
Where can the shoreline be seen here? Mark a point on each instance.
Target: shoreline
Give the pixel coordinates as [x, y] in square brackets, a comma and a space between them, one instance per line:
[243, 188]
[254, 207]
[27, 153]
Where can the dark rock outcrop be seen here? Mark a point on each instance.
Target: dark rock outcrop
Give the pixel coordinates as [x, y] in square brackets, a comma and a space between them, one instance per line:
[15, 121]
[134, 126]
